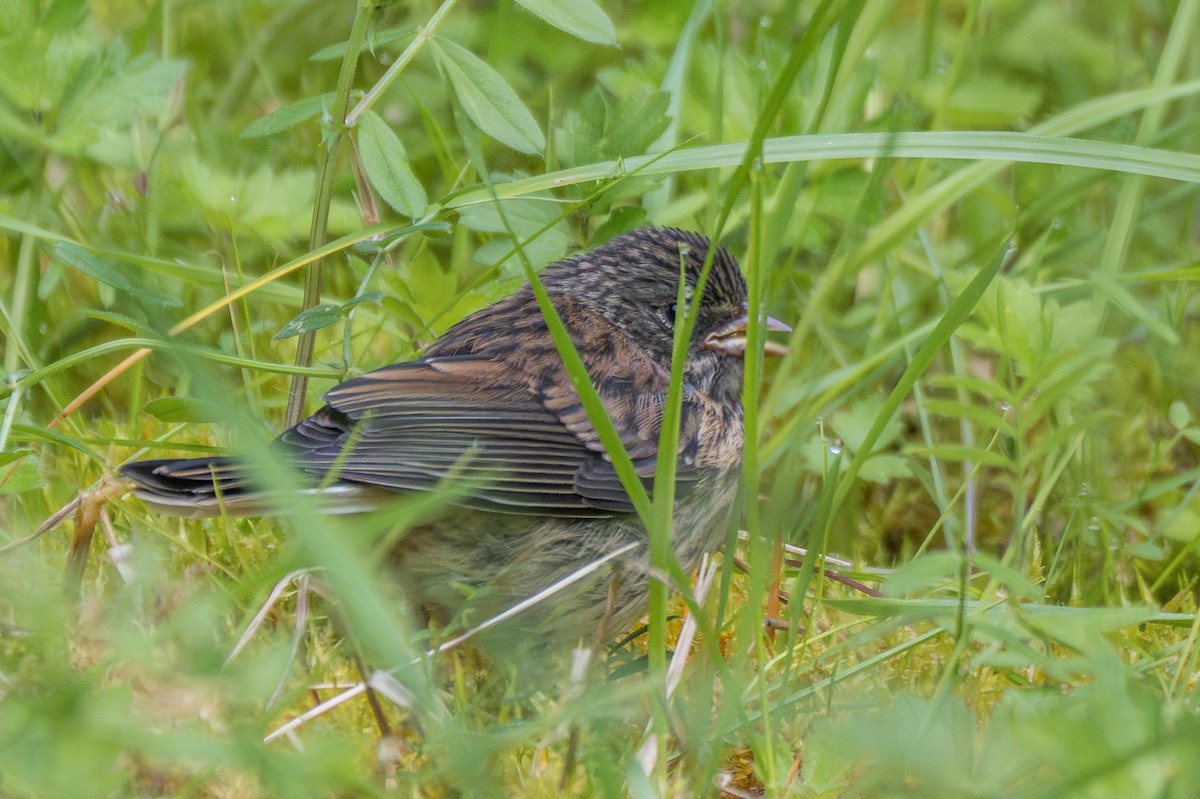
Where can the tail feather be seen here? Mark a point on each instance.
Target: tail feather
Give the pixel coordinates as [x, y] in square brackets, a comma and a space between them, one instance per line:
[194, 487]
[198, 488]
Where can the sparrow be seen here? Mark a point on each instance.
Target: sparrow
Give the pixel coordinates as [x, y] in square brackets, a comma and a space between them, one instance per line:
[490, 404]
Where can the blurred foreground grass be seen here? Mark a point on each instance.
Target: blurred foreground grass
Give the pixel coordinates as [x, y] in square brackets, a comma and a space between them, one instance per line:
[990, 409]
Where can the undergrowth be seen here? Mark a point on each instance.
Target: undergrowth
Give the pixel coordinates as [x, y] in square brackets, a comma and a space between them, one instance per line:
[980, 219]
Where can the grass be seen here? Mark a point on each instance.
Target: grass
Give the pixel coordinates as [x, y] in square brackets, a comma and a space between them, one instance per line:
[979, 217]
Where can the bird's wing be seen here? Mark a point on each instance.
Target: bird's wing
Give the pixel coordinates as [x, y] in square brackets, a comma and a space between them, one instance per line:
[521, 441]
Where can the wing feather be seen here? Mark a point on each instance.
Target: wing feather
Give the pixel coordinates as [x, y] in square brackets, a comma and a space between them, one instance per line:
[520, 438]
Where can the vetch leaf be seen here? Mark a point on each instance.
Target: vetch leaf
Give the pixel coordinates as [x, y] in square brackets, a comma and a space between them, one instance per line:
[374, 40]
[286, 117]
[79, 258]
[310, 319]
[387, 168]
[581, 18]
[488, 99]
[107, 273]
[373, 297]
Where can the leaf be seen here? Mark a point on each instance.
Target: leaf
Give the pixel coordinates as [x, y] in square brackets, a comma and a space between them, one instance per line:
[853, 422]
[107, 273]
[1178, 415]
[928, 572]
[535, 222]
[107, 98]
[1016, 583]
[286, 117]
[488, 99]
[1147, 550]
[79, 258]
[120, 320]
[374, 40]
[605, 126]
[635, 121]
[581, 139]
[622, 220]
[183, 409]
[24, 476]
[310, 319]
[9, 455]
[33, 433]
[883, 469]
[386, 165]
[374, 297]
[1183, 526]
[581, 18]
[986, 100]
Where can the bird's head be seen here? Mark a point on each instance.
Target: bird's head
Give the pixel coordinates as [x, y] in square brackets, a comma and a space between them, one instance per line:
[633, 280]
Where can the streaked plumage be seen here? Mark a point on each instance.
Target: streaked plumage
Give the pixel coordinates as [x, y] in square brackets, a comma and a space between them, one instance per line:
[489, 401]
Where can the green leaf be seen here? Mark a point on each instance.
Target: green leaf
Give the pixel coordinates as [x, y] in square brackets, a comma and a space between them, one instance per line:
[1016, 583]
[9, 455]
[1126, 301]
[374, 297]
[488, 99]
[310, 319]
[183, 409]
[957, 312]
[853, 422]
[25, 476]
[622, 220]
[988, 147]
[286, 117]
[930, 571]
[1178, 415]
[635, 121]
[581, 18]
[386, 165]
[1183, 526]
[605, 126]
[1147, 550]
[883, 469]
[986, 100]
[107, 273]
[374, 40]
[535, 223]
[30, 432]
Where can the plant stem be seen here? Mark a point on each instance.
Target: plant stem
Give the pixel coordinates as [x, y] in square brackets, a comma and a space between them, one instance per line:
[393, 72]
[320, 221]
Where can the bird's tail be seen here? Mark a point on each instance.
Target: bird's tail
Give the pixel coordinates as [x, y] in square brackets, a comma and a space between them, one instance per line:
[194, 487]
[197, 488]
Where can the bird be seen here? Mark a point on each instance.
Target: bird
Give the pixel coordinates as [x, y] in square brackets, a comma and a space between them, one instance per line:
[489, 404]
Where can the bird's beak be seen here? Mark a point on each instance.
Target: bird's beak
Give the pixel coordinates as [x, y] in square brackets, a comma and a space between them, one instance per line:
[731, 339]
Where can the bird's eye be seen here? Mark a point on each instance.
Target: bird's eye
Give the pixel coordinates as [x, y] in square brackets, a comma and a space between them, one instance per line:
[667, 312]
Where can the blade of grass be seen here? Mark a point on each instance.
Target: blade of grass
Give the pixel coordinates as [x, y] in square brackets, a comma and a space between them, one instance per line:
[955, 315]
[334, 246]
[306, 342]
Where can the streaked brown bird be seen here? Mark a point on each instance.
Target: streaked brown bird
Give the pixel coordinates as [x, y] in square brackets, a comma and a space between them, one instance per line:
[490, 403]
